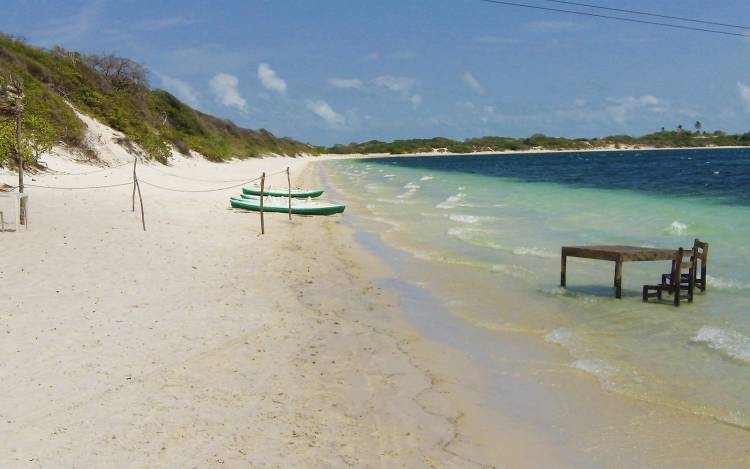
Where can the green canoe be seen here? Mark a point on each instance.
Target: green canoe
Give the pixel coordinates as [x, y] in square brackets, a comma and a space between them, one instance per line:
[297, 194]
[282, 206]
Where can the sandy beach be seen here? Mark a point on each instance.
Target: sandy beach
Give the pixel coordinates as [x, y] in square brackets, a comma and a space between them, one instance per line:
[200, 343]
[175, 346]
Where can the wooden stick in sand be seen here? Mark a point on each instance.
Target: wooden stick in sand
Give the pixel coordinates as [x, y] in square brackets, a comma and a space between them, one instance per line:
[289, 182]
[137, 187]
[135, 161]
[140, 198]
[262, 186]
[19, 153]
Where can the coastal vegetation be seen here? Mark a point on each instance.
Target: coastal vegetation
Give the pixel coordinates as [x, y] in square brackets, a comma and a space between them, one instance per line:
[663, 139]
[116, 91]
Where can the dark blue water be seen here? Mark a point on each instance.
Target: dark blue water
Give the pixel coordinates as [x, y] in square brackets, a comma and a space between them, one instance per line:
[720, 174]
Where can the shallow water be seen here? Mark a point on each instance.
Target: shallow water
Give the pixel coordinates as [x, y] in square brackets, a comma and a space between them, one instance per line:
[493, 225]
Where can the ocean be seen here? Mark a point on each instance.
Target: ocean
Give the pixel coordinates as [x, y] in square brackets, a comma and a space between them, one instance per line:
[484, 234]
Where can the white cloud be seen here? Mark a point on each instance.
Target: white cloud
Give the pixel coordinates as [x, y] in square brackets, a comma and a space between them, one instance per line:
[621, 109]
[346, 83]
[179, 88]
[224, 87]
[395, 84]
[473, 83]
[415, 100]
[270, 80]
[324, 110]
[744, 91]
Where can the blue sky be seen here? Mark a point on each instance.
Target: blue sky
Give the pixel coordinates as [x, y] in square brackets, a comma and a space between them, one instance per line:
[336, 71]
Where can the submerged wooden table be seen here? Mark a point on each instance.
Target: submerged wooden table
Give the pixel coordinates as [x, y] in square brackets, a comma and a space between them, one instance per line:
[616, 254]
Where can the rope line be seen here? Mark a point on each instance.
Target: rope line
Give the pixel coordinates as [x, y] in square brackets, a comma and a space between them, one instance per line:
[197, 190]
[77, 188]
[209, 190]
[152, 185]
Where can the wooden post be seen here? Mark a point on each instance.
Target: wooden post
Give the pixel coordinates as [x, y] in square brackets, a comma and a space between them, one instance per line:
[618, 278]
[563, 268]
[137, 187]
[135, 161]
[140, 198]
[289, 182]
[262, 191]
[19, 153]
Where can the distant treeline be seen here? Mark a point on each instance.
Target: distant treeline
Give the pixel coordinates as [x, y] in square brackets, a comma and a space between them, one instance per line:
[663, 139]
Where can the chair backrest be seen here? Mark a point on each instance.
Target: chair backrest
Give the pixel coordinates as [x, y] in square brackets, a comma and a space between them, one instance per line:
[679, 265]
[701, 250]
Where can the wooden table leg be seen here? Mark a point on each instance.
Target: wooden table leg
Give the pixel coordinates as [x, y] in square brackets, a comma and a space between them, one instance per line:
[563, 262]
[618, 279]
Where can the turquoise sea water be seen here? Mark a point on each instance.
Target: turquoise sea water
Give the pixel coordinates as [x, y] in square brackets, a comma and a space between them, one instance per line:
[491, 228]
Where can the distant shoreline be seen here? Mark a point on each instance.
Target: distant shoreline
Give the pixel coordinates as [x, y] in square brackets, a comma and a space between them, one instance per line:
[532, 151]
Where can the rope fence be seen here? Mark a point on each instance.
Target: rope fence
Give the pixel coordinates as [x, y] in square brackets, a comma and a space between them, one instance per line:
[78, 188]
[135, 182]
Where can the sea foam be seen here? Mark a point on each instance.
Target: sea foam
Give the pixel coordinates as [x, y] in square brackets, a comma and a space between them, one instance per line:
[452, 201]
[469, 219]
[726, 284]
[512, 270]
[426, 178]
[677, 228]
[599, 368]
[534, 252]
[731, 343]
[559, 336]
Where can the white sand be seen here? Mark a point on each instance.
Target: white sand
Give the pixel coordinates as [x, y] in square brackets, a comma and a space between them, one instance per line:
[196, 343]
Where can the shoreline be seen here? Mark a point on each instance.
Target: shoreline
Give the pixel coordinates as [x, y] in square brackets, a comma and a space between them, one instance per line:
[526, 152]
[533, 381]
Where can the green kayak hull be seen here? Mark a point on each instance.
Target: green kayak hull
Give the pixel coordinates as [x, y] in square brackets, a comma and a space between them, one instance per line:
[295, 194]
[254, 205]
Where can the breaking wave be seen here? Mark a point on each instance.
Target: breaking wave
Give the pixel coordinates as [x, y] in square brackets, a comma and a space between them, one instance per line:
[452, 201]
[559, 336]
[469, 219]
[726, 284]
[731, 343]
[677, 228]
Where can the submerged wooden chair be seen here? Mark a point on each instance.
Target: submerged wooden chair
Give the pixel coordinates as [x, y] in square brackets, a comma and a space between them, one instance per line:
[673, 284]
[699, 280]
